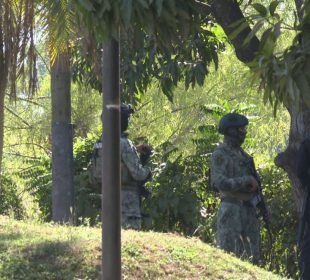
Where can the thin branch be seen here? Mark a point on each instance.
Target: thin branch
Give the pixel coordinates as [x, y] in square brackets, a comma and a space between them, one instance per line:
[17, 116]
[33, 144]
[17, 128]
[143, 105]
[41, 97]
[30, 101]
[185, 107]
[44, 62]
[20, 155]
[181, 108]
[299, 4]
[203, 7]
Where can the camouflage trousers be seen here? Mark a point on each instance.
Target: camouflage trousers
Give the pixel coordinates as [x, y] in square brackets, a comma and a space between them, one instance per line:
[238, 230]
[131, 214]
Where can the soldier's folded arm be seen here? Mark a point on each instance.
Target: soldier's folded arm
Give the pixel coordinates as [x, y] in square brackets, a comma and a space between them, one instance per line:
[136, 169]
[222, 181]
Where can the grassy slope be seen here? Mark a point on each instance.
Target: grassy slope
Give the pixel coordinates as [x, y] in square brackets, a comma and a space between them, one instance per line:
[30, 251]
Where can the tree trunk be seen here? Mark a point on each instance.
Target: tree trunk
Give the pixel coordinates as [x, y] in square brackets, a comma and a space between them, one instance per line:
[228, 12]
[299, 130]
[2, 98]
[62, 141]
[298, 4]
[3, 87]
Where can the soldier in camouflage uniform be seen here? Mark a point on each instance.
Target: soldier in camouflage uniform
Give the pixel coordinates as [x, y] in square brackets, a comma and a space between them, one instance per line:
[133, 174]
[238, 227]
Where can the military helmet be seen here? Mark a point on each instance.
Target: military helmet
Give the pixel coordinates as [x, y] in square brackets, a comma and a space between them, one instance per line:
[232, 120]
[126, 109]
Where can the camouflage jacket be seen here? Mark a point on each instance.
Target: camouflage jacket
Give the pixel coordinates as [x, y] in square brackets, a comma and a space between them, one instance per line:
[230, 172]
[132, 171]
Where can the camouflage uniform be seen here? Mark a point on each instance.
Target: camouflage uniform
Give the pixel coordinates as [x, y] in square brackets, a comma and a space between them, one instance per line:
[237, 223]
[95, 166]
[133, 173]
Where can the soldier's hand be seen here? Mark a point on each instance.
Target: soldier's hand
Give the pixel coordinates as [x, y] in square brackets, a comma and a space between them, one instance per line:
[144, 149]
[253, 185]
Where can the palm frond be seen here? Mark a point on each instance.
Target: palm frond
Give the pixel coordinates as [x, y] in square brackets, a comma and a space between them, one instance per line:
[59, 19]
[17, 44]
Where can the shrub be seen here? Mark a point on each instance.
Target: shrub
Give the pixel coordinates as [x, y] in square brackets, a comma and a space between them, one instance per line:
[10, 200]
[38, 180]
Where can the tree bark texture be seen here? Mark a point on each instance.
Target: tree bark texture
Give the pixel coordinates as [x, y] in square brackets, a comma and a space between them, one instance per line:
[226, 12]
[299, 130]
[62, 141]
[4, 73]
[298, 4]
[3, 86]
[2, 98]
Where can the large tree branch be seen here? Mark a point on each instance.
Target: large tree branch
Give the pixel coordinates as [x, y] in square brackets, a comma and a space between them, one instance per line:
[298, 4]
[203, 7]
[227, 12]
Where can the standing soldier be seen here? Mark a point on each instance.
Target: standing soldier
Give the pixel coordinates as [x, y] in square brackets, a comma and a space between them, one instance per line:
[133, 174]
[233, 174]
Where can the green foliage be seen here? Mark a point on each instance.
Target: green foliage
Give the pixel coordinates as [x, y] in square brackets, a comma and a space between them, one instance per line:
[181, 196]
[10, 199]
[169, 41]
[86, 110]
[186, 60]
[82, 151]
[38, 180]
[27, 132]
[84, 69]
[87, 200]
[144, 61]
[283, 257]
[87, 195]
[281, 70]
[58, 19]
[165, 19]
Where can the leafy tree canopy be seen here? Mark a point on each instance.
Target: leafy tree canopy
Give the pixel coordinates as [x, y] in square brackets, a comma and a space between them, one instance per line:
[166, 40]
[281, 72]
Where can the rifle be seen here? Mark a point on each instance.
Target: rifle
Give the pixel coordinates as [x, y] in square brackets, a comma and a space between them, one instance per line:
[144, 191]
[261, 205]
[145, 153]
[303, 220]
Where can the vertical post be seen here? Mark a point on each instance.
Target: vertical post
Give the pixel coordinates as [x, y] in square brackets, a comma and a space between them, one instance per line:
[111, 181]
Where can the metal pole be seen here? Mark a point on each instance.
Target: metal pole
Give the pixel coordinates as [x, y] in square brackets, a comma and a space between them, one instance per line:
[111, 181]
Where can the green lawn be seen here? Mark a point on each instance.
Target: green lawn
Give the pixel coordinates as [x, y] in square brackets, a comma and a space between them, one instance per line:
[46, 251]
